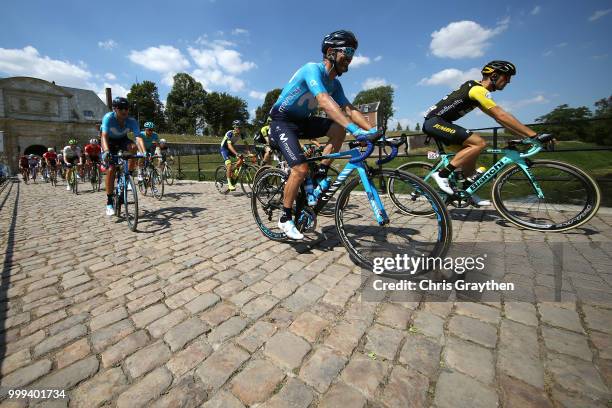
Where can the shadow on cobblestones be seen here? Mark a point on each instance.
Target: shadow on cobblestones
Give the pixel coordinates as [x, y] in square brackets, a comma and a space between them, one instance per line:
[9, 240]
[164, 217]
[177, 196]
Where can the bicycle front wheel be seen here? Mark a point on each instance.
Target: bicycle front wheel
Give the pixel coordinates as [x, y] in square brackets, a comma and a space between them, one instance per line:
[130, 203]
[570, 196]
[404, 235]
[417, 205]
[221, 179]
[157, 184]
[168, 175]
[246, 179]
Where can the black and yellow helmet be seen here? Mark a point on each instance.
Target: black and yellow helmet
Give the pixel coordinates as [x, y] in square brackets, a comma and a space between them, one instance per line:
[504, 67]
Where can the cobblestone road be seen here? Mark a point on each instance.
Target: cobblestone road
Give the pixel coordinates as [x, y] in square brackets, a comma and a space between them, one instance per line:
[199, 309]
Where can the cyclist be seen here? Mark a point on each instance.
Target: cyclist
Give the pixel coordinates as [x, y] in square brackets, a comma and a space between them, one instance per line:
[228, 150]
[24, 167]
[42, 165]
[147, 140]
[315, 84]
[162, 150]
[115, 128]
[262, 140]
[72, 157]
[33, 165]
[50, 159]
[440, 117]
[92, 153]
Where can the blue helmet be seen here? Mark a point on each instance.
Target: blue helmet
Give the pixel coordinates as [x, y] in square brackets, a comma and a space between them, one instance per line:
[149, 125]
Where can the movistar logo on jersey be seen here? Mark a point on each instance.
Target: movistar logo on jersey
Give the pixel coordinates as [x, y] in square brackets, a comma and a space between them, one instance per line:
[283, 138]
[314, 83]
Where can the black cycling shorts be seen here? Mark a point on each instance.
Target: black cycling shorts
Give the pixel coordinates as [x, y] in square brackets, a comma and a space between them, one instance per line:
[114, 145]
[285, 136]
[446, 132]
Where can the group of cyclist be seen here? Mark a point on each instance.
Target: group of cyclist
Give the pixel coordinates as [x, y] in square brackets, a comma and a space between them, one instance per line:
[113, 137]
[316, 85]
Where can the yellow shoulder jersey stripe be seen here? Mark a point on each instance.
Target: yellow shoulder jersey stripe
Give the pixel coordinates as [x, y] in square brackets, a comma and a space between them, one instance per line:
[481, 95]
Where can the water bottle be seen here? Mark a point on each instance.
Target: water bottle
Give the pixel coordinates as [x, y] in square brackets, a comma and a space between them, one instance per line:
[322, 187]
[310, 198]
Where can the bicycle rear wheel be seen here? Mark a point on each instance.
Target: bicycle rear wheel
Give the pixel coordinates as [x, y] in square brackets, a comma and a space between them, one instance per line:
[157, 184]
[267, 202]
[404, 235]
[571, 196]
[130, 203]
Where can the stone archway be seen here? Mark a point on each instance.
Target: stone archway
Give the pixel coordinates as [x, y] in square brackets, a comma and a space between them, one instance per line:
[38, 150]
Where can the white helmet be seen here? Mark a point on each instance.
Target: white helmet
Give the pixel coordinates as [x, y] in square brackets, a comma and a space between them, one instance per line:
[162, 141]
[50, 149]
[93, 141]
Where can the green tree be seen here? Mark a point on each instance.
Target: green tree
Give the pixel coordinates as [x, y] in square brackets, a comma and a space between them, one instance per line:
[602, 127]
[261, 113]
[417, 127]
[186, 104]
[566, 123]
[145, 104]
[221, 109]
[398, 128]
[382, 94]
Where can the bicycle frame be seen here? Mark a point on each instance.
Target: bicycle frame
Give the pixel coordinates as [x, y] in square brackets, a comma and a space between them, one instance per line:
[510, 156]
[376, 204]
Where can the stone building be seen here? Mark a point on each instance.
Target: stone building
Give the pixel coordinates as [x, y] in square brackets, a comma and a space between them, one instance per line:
[36, 114]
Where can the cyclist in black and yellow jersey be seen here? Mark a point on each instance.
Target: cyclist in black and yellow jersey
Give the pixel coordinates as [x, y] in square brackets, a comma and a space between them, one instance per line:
[261, 140]
[472, 94]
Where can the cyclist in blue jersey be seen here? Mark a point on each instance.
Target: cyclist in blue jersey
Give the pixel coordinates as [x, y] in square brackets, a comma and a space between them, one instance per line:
[228, 150]
[147, 140]
[315, 85]
[115, 128]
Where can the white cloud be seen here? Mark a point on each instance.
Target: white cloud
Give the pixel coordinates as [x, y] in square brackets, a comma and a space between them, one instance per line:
[548, 53]
[252, 113]
[359, 60]
[451, 77]
[257, 95]
[378, 58]
[240, 31]
[599, 14]
[536, 10]
[219, 66]
[29, 62]
[162, 59]
[561, 45]
[464, 39]
[215, 78]
[370, 83]
[107, 45]
[110, 76]
[516, 105]
[600, 56]
[116, 89]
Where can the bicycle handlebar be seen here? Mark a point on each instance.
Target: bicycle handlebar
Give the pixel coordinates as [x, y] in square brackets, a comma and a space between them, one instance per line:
[377, 140]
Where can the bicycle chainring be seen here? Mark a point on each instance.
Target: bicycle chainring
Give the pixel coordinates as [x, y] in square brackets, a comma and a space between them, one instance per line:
[307, 221]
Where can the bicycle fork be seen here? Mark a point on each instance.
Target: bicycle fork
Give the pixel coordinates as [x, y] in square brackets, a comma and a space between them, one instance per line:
[376, 204]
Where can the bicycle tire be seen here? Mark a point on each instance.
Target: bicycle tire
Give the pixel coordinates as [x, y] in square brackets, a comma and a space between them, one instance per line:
[419, 169]
[567, 190]
[247, 177]
[157, 184]
[221, 179]
[130, 206]
[385, 241]
[267, 202]
[168, 175]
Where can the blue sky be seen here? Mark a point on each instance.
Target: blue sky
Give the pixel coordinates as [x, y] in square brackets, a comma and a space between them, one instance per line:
[562, 49]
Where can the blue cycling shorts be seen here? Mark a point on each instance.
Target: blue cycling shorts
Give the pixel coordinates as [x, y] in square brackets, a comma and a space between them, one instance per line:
[285, 135]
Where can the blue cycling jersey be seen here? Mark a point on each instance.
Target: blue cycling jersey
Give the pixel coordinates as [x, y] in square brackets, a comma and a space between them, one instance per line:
[230, 137]
[148, 141]
[298, 99]
[111, 126]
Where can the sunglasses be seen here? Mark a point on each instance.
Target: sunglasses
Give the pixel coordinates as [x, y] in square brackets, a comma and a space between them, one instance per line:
[347, 51]
[121, 108]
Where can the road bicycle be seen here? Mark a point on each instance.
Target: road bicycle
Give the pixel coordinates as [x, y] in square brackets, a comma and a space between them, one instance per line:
[52, 175]
[539, 195]
[125, 196]
[151, 179]
[243, 172]
[380, 232]
[167, 171]
[71, 178]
